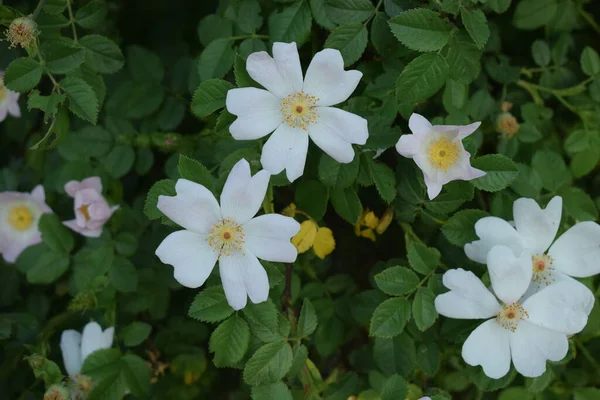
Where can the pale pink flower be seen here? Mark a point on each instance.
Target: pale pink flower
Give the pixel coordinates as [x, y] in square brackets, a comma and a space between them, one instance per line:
[438, 151]
[9, 101]
[91, 208]
[19, 217]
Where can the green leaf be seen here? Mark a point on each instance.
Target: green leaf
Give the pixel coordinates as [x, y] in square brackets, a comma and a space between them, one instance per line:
[397, 281]
[300, 355]
[551, 169]
[390, 318]
[351, 40]
[214, 27]
[105, 368]
[216, 60]
[319, 12]
[123, 275]
[528, 182]
[42, 265]
[421, 29]
[428, 357]
[540, 50]
[477, 26]
[590, 62]
[263, 320]
[269, 364]
[23, 74]
[349, 11]
[248, 17]
[91, 15]
[165, 187]
[273, 391]
[423, 308]
[48, 104]
[454, 195]
[292, 24]
[384, 179]
[62, 57]
[311, 197]
[230, 341]
[578, 204]
[119, 160]
[500, 172]
[423, 259]
[589, 393]
[395, 355]
[135, 333]
[136, 375]
[210, 97]
[210, 305]
[464, 58]
[307, 323]
[334, 174]
[460, 228]
[102, 54]
[394, 388]
[533, 14]
[144, 65]
[346, 204]
[83, 101]
[584, 162]
[242, 77]
[55, 234]
[421, 78]
[194, 171]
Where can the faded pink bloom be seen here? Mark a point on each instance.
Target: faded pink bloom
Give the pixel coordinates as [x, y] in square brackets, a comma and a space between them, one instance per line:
[19, 217]
[91, 209]
[9, 101]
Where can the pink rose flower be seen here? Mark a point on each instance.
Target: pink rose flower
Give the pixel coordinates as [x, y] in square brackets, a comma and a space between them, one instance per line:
[91, 208]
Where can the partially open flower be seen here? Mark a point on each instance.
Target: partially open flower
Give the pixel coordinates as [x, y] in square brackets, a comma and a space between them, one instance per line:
[9, 101]
[76, 347]
[22, 32]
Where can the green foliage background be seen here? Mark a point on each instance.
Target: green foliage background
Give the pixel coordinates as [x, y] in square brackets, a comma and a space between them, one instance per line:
[120, 89]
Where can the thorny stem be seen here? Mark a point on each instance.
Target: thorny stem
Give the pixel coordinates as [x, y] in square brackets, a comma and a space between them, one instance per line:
[38, 9]
[72, 20]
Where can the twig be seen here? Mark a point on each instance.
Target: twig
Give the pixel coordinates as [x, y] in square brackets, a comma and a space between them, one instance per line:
[286, 299]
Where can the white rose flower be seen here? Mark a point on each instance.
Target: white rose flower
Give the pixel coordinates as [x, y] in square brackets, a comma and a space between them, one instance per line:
[227, 233]
[296, 108]
[76, 347]
[438, 151]
[528, 332]
[576, 253]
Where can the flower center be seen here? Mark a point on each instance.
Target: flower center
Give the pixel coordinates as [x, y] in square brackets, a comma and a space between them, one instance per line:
[510, 316]
[299, 110]
[443, 153]
[542, 269]
[85, 211]
[20, 217]
[226, 236]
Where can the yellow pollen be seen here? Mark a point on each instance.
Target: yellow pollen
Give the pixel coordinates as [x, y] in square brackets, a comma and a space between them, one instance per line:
[510, 316]
[84, 210]
[20, 217]
[226, 236]
[542, 269]
[443, 153]
[299, 110]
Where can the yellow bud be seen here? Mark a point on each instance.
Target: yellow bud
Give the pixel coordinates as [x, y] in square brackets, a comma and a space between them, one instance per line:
[385, 220]
[369, 234]
[22, 32]
[507, 125]
[306, 237]
[371, 220]
[324, 243]
[289, 211]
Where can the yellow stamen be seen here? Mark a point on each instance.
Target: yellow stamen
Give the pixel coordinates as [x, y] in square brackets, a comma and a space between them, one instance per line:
[226, 236]
[542, 269]
[84, 210]
[20, 217]
[443, 153]
[299, 110]
[510, 315]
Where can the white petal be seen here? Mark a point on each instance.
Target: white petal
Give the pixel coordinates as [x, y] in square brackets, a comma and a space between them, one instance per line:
[493, 231]
[488, 346]
[268, 237]
[93, 338]
[286, 149]
[3, 112]
[462, 170]
[230, 269]
[408, 145]
[561, 307]
[243, 194]
[433, 188]
[510, 275]
[258, 112]
[255, 278]
[350, 127]
[327, 80]
[288, 63]
[419, 125]
[330, 142]
[538, 227]
[191, 256]
[13, 105]
[463, 130]
[70, 346]
[577, 251]
[531, 346]
[468, 297]
[194, 207]
[262, 68]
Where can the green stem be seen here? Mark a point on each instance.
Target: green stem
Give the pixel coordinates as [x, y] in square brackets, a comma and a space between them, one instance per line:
[590, 20]
[587, 355]
[253, 36]
[374, 12]
[72, 20]
[38, 9]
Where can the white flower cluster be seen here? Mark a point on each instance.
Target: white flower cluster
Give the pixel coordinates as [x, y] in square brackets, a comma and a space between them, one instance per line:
[533, 304]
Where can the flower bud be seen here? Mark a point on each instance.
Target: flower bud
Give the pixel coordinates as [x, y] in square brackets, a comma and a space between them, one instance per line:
[57, 392]
[507, 125]
[22, 32]
[84, 383]
[36, 361]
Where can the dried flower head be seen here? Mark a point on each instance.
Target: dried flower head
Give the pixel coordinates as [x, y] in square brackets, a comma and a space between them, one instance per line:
[507, 125]
[22, 32]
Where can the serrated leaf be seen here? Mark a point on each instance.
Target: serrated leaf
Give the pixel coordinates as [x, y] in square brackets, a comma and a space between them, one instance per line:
[307, 323]
[165, 187]
[460, 228]
[463, 57]
[91, 15]
[210, 97]
[390, 318]
[351, 40]
[269, 364]
[62, 58]
[23, 74]
[135, 333]
[263, 320]
[384, 179]
[102, 54]
[476, 24]
[590, 62]
[230, 341]
[423, 308]
[347, 204]
[216, 59]
[421, 29]
[119, 160]
[349, 11]
[42, 265]
[195, 171]
[394, 388]
[83, 101]
[55, 234]
[210, 305]
[500, 172]
[292, 24]
[533, 14]
[335, 174]
[397, 281]
[311, 197]
[421, 78]
[423, 259]
[272, 391]
[48, 104]
[552, 170]
[144, 65]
